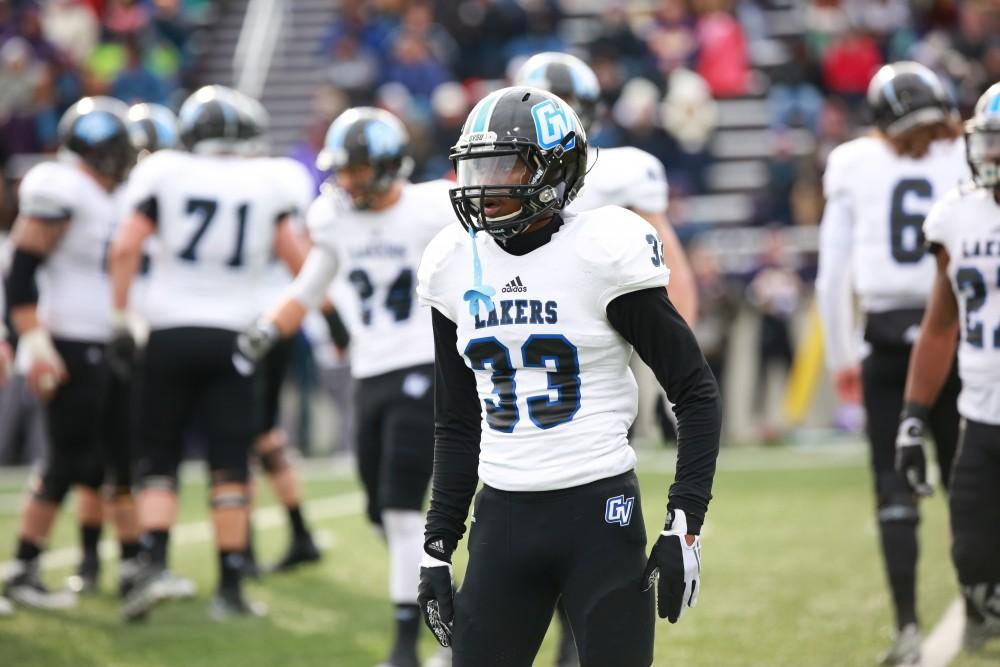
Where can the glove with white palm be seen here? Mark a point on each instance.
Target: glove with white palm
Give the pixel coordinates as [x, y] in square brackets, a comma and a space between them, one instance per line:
[675, 567]
[911, 462]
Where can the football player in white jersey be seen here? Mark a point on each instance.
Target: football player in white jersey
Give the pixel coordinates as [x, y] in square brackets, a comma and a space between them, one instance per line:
[534, 396]
[150, 127]
[369, 227]
[878, 189]
[624, 176]
[58, 292]
[963, 231]
[217, 219]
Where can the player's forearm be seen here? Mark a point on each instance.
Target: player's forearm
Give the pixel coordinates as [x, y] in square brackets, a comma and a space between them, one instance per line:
[287, 317]
[123, 265]
[456, 443]
[24, 318]
[310, 285]
[930, 364]
[833, 285]
[683, 290]
[666, 344]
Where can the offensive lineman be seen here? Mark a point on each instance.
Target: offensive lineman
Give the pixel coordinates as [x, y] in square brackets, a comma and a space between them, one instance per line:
[370, 225]
[625, 176]
[218, 217]
[150, 127]
[878, 189]
[533, 394]
[963, 231]
[58, 292]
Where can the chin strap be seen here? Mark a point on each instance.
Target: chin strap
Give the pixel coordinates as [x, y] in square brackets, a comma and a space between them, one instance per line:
[480, 293]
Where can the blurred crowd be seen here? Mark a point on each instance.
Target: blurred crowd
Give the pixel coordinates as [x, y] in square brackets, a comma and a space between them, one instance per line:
[52, 52]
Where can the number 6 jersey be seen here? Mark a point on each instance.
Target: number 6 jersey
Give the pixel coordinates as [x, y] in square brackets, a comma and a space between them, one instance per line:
[551, 372]
[966, 223]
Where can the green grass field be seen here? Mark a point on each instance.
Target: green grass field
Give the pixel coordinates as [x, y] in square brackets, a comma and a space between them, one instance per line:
[791, 576]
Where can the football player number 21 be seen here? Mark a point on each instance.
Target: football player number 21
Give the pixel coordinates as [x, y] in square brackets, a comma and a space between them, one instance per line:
[972, 284]
[544, 351]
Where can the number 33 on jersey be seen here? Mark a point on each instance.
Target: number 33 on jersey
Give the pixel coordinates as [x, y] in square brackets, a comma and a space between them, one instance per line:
[546, 360]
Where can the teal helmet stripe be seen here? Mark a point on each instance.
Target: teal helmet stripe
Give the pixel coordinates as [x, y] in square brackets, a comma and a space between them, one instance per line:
[482, 117]
[994, 105]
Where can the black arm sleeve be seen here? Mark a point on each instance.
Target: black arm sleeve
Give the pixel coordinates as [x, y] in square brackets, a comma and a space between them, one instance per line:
[22, 290]
[648, 321]
[456, 442]
[150, 208]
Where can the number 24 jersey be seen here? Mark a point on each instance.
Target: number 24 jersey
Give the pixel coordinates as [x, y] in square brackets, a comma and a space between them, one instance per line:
[551, 372]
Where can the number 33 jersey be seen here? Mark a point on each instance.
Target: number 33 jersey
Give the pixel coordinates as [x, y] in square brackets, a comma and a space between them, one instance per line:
[215, 222]
[888, 197]
[378, 253]
[551, 372]
[966, 223]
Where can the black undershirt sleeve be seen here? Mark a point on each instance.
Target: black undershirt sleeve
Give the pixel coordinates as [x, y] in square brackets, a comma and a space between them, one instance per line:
[456, 442]
[150, 208]
[648, 321]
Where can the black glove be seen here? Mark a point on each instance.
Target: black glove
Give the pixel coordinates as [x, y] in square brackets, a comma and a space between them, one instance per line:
[253, 345]
[338, 331]
[122, 350]
[911, 462]
[677, 567]
[436, 597]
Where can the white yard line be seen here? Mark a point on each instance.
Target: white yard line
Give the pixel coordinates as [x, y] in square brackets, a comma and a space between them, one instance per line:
[344, 504]
[945, 640]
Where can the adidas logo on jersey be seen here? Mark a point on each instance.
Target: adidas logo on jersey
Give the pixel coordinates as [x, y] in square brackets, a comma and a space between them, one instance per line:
[514, 285]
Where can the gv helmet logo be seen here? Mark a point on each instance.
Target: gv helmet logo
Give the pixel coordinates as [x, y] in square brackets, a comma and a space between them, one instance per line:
[619, 510]
[552, 123]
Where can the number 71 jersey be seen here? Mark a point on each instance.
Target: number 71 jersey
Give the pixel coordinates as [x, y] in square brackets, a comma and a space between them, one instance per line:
[551, 372]
[966, 223]
[216, 221]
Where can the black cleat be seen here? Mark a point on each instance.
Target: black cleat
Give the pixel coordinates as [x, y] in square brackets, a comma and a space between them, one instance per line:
[148, 588]
[905, 648]
[230, 604]
[25, 587]
[301, 551]
[88, 576]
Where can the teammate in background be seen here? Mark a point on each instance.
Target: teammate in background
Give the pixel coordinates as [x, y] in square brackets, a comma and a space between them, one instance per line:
[963, 231]
[150, 127]
[370, 226]
[878, 190]
[58, 292]
[625, 176]
[218, 217]
[271, 448]
[533, 394]
[6, 366]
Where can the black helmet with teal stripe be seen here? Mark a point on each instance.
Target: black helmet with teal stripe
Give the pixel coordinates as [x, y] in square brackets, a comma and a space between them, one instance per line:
[518, 143]
[982, 139]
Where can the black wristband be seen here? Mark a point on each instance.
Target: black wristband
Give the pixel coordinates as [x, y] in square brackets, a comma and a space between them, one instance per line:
[439, 547]
[912, 409]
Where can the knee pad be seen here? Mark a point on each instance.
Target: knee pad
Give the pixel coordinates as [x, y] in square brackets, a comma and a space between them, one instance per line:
[275, 459]
[895, 500]
[159, 483]
[229, 499]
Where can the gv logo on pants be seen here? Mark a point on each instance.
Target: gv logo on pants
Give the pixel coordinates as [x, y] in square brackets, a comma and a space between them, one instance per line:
[619, 510]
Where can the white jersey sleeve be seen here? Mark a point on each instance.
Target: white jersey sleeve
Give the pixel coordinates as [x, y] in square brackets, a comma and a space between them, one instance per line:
[626, 177]
[833, 282]
[48, 191]
[435, 273]
[625, 252]
[938, 227]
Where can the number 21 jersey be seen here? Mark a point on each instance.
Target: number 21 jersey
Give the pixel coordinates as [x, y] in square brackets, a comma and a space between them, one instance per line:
[551, 372]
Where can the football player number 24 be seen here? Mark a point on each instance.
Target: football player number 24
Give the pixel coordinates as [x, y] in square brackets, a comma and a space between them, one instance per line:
[972, 284]
[544, 351]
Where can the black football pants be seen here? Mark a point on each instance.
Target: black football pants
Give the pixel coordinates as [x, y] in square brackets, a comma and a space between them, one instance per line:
[528, 549]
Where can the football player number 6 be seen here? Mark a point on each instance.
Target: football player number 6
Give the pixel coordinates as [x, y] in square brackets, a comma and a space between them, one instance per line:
[549, 352]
